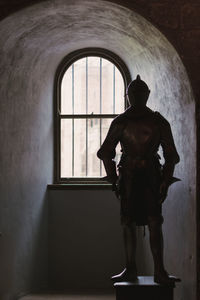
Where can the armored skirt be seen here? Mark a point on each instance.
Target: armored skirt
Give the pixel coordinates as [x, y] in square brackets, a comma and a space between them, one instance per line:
[138, 188]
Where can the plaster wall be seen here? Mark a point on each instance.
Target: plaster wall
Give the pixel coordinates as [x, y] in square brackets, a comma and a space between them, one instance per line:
[32, 43]
[26, 167]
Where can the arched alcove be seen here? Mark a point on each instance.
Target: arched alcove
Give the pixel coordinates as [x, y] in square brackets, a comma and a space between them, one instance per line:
[32, 44]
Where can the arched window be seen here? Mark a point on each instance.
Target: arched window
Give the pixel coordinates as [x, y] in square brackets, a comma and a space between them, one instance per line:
[90, 91]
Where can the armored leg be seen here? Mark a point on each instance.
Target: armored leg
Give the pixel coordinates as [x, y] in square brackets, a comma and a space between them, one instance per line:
[156, 244]
[129, 235]
[130, 272]
[128, 226]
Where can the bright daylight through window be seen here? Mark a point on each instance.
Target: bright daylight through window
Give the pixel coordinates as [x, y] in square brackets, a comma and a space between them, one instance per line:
[92, 94]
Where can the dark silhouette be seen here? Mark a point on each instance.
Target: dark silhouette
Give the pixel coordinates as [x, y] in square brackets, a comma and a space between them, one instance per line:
[141, 183]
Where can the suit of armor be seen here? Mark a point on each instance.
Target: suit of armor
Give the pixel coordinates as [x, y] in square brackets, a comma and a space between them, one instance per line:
[141, 182]
[139, 171]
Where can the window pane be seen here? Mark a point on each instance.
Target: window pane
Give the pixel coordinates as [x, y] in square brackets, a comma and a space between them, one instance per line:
[93, 146]
[66, 92]
[93, 85]
[119, 92]
[90, 83]
[80, 86]
[80, 147]
[66, 148]
[107, 87]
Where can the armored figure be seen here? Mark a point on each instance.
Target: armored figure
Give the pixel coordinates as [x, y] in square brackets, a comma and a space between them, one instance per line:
[141, 183]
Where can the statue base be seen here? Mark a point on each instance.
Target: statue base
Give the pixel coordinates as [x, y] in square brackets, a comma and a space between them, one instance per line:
[143, 289]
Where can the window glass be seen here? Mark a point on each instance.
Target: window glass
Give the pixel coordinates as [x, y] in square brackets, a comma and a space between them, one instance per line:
[90, 87]
[79, 86]
[66, 92]
[66, 148]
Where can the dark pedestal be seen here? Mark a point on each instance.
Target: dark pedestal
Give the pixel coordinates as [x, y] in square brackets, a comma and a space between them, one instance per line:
[144, 289]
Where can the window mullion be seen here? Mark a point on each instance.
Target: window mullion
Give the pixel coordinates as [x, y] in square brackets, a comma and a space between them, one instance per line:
[100, 123]
[89, 116]
[73, 120]
[86, 169]
[113, 89]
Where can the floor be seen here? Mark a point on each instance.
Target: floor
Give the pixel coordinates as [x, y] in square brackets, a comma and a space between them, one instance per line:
[70, 297]
[91, 294]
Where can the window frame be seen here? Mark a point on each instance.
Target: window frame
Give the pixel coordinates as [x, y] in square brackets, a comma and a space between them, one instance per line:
[62, 68]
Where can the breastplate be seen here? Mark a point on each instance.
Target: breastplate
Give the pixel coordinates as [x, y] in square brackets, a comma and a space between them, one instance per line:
[140, 137]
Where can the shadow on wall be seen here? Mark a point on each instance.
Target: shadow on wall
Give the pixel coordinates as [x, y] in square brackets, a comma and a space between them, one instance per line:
[32, 43]
[26, 251]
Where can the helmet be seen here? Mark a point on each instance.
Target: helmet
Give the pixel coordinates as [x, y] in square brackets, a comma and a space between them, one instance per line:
[137, 85]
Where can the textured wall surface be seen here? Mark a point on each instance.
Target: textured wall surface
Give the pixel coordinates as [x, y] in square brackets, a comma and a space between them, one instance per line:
[32, 43]
[85, 239]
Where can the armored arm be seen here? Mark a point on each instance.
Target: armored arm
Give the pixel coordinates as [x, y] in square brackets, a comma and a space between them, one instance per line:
[169, 152]
[107, 151]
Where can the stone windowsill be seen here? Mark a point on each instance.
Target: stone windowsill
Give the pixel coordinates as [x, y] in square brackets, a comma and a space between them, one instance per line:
[80, 186]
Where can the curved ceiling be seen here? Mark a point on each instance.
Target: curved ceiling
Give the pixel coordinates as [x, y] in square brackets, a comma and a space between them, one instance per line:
[44, 33]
